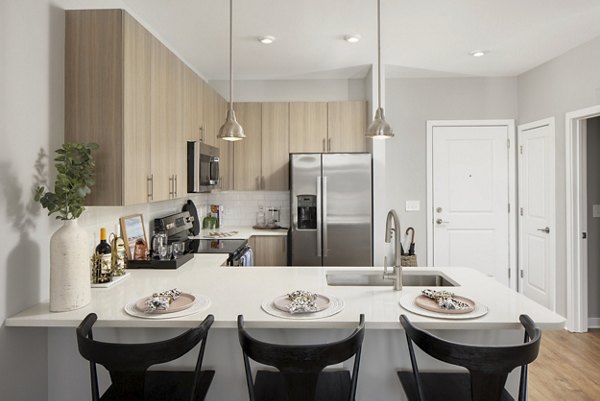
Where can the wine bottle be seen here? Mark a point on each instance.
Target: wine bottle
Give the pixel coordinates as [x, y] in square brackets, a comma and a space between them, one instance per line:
[118, 256]
[102, 268]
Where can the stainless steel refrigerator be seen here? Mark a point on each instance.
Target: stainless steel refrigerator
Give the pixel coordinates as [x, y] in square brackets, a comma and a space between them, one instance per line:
[331, 209]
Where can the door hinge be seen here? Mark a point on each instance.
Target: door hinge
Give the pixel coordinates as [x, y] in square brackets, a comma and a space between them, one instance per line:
[521, 212]
[521, 273]
[521, 149]
[508, 143]
[584, 235]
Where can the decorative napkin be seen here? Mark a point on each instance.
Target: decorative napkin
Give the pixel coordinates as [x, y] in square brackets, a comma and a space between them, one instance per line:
[160, 301]
[446, 300]
[302, 302]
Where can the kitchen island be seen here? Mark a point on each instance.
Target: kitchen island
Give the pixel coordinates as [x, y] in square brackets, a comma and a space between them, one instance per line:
[234, 291]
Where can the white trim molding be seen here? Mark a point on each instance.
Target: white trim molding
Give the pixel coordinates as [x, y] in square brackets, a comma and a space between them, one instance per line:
[594, 322]
[577, 269]
[512, 192]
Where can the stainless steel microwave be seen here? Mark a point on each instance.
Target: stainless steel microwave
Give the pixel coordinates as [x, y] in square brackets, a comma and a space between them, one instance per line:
[202, 167]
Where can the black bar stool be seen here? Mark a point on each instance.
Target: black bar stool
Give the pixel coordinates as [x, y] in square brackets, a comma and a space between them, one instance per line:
[301, 376]
[128, 366]
[488, 366]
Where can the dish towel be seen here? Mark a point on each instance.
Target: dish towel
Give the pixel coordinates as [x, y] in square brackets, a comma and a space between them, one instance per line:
[248, 258]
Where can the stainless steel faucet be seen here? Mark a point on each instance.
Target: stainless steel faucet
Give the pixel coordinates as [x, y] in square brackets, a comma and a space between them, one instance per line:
[396, 275]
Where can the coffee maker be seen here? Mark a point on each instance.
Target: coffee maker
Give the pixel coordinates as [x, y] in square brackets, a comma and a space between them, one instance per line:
[307, 212]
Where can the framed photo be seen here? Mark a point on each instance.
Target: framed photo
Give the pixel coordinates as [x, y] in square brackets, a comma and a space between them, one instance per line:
[134, 235]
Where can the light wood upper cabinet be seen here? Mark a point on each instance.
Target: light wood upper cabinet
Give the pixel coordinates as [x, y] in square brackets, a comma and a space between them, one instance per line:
[159, 127]
[308, 127]
[347, 124]
[275, 146]
[269, 250]
[191, 120]
[212, 111]
[176, 136]
[107, 76]
[247, 152]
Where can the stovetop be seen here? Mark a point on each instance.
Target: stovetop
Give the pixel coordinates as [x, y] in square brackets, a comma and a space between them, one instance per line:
[229, 246]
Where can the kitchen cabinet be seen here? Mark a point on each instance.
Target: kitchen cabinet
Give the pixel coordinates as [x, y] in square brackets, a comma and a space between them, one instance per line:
[346, 126]
[269, 250]
[107, 100]
[247, 153]
[275, 146]
[212, 112]
[308, 127]
[225, 147]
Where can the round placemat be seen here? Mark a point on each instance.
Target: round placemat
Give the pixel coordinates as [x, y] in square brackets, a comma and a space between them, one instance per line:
[408, 302]
[335, 306]
[201, 303]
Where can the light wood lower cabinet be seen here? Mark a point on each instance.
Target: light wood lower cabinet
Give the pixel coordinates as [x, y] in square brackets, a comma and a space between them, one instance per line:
[269, 250]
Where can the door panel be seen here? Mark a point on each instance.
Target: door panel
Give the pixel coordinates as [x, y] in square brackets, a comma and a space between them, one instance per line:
[347, 210]
[305, 180]
[536, 212]
[470, 199]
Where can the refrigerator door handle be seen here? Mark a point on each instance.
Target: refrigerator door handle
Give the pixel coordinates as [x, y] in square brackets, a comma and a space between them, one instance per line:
[324, 216]
[318, 216]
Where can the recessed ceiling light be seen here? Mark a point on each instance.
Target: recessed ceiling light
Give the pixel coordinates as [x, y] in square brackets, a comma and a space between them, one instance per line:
[352, 38]
[266, 40]
[478, 53]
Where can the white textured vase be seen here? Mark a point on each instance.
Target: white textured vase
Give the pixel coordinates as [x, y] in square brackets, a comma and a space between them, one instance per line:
[69, 268]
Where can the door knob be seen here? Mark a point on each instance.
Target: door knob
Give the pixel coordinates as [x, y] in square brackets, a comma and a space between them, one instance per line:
[440, 221]
[544, 230]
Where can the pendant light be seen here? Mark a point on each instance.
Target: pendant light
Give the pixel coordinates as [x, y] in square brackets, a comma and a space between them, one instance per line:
[379, 128]
[231, 130]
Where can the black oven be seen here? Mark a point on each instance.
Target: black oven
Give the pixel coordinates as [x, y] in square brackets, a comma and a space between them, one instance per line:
[202, 167]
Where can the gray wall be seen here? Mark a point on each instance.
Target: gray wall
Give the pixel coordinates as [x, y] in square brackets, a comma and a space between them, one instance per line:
[306, 90]
[593, 196]
[567, 83]
[409, 104]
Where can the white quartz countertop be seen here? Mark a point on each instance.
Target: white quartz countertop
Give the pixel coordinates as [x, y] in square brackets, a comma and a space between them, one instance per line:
[241, 290]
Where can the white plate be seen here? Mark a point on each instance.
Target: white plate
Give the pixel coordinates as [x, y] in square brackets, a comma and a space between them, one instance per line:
[283, 302]
[335, 306]
[199, 305]
[408, 302]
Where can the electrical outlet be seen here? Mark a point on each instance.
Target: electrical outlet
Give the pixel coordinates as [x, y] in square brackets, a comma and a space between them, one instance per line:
[596, 211]
[413, 206]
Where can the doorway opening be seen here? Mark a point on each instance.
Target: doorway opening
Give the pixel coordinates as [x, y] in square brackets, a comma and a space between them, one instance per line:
[580, 126]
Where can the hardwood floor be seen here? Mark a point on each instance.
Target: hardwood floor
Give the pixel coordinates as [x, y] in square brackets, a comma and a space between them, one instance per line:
[567, 368]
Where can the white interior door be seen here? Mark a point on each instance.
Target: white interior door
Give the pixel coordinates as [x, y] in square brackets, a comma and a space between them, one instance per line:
[470, 198]
[537, 242]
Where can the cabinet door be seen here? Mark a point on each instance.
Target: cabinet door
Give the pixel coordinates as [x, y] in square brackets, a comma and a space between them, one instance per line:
[275, 146]
[136, 113]
[176, 138]
[212, 122]
[200, 123]
[247, 152]
[347, 124]
[191, 128]
[270, 250]
[225, 147]
[308, 127]
[159, 126]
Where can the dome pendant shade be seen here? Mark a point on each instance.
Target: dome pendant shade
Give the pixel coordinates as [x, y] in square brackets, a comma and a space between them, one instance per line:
[231, 130]
[379, 128]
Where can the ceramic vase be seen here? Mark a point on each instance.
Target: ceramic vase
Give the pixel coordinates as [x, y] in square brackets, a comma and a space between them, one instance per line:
[69, 268]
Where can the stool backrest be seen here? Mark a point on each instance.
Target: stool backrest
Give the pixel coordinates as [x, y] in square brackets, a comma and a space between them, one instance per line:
[301, 365]
[489, 366]
[128, 363]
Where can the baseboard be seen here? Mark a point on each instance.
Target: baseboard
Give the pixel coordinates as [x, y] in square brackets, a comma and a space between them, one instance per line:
[594, 322]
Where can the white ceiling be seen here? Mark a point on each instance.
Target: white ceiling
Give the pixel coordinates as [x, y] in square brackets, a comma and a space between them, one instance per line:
[419, 37]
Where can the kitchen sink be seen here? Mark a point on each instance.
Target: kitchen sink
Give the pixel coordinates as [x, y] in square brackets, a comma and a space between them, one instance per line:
[375, 278]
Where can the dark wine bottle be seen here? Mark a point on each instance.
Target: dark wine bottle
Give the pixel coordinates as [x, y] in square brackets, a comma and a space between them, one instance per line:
[103, 268]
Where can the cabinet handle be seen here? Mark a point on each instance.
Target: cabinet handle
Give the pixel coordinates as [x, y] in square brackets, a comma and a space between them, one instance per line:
[150, 189]
[329, 144]
[201, 134]
[171, 187]
[176, 192]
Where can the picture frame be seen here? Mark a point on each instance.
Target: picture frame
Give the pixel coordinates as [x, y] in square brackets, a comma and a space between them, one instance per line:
[133, 230]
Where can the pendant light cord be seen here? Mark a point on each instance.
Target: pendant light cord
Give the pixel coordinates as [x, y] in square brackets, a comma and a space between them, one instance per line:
[378, 54]
[230, 55]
